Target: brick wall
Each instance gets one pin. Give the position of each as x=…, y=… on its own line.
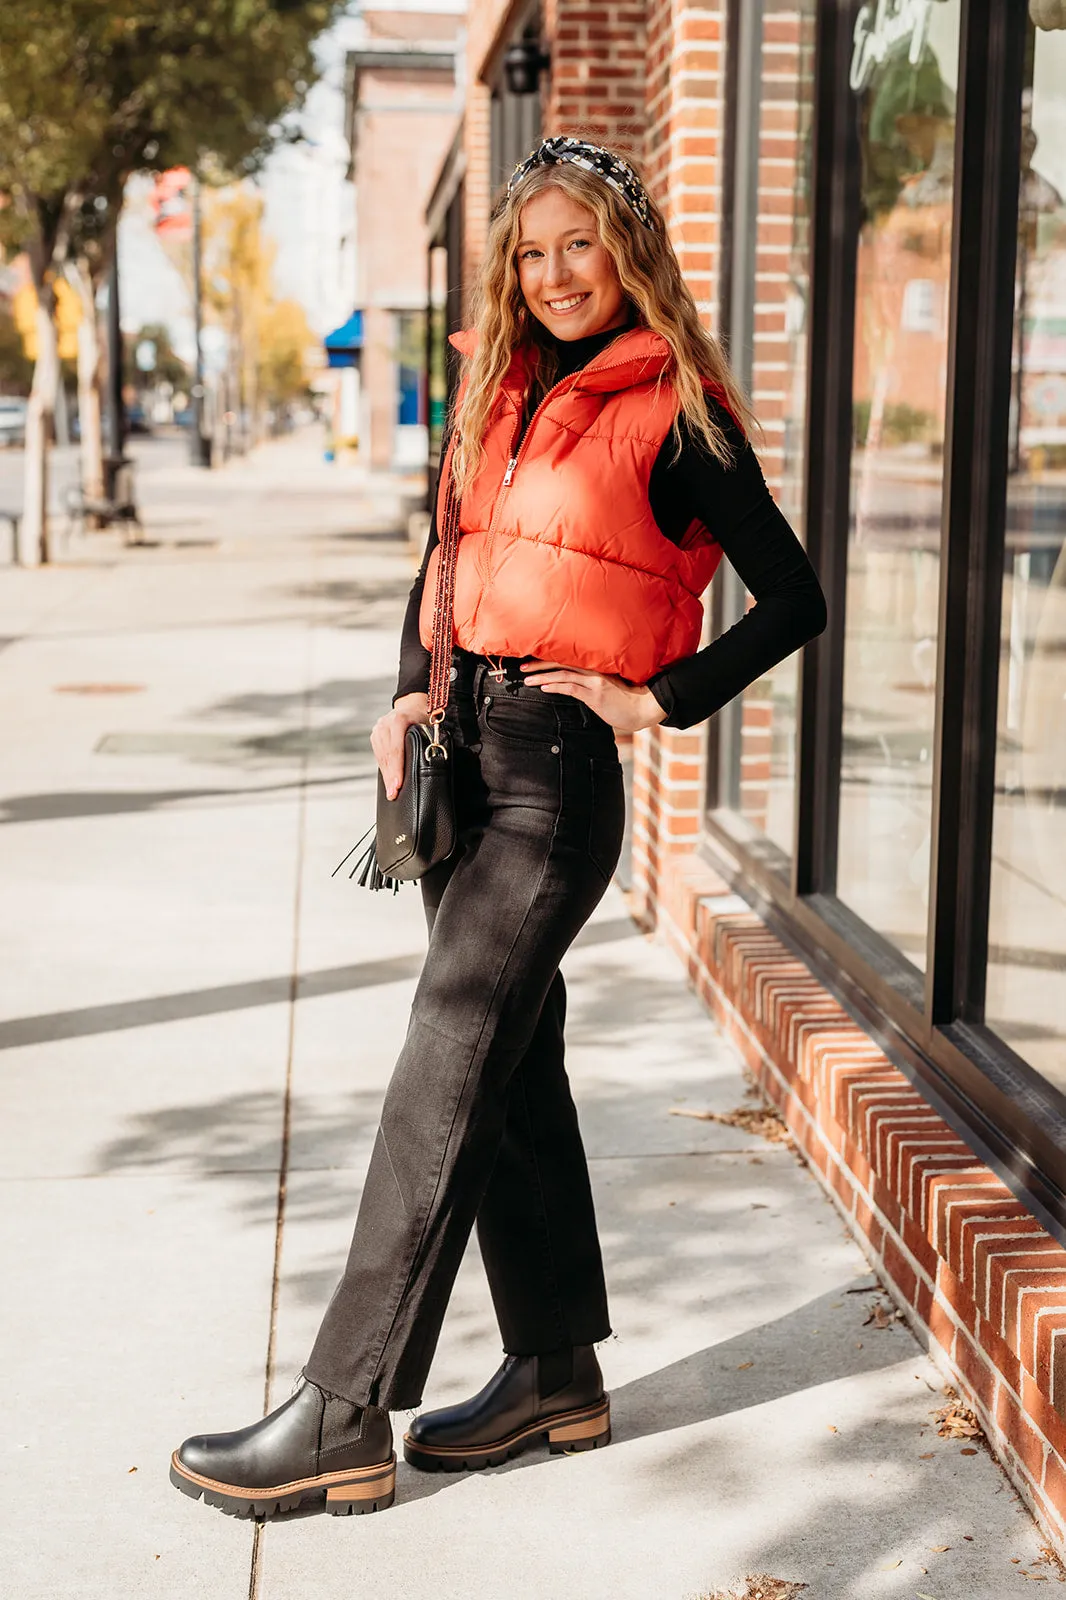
x=597, y=78
x=595, y=87
x=404, y=124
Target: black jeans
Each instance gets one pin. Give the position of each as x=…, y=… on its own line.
x=478, y=1122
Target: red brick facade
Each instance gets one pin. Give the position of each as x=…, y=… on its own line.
x=980, y=1281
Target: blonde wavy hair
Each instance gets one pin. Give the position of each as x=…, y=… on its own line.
x=650, y=278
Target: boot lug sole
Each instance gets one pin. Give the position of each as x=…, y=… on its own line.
x=353, y=1493
x=585, y=1428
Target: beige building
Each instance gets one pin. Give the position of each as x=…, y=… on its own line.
x=403, y=109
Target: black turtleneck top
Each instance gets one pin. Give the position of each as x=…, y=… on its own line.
x=736, y=506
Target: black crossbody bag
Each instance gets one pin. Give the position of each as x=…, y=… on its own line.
x=417, y=830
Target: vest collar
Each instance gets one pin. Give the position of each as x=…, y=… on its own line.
x=638, y=355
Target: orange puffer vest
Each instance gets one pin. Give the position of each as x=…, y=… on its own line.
x=560, y=556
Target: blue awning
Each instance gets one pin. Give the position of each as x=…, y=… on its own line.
x=344, y=343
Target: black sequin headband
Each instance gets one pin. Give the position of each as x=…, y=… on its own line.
x=593, y=158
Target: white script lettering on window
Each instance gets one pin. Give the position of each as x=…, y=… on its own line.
x=882, y=24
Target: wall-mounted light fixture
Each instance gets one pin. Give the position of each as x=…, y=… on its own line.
x=523, y=63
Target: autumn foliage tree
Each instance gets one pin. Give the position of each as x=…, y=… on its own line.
x=93, y=90
x=285, y=337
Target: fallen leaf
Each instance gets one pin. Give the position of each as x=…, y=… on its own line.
x=829, y=1425
x=762, y=1121
x=890, y=1566
x=744, y=1365
x=968, y=1537
x=956, y=1421
x=879, y=1316
x=967, y=1452
x=938, y=1549
x=760, y=1588
x=132, y=1469
x=927, y=1457
x=921, y=1595
x=1048, y=1557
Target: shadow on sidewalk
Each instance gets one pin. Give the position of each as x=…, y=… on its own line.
x=50, y=1025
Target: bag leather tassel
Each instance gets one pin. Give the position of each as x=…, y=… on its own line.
x=371, y=875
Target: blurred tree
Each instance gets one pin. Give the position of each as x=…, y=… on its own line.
x=16, y=368
x=67, y=317
x=285, y=337
x=169, y=367
x=906, y=107
x=238, y=261
x=92, y=90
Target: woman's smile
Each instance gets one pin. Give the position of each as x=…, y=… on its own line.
x=562, y=308
x=566, y=275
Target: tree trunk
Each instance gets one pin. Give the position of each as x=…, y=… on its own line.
x=34, y=543
x=89, y=364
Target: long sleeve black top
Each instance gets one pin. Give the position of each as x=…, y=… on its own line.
x=737, y=508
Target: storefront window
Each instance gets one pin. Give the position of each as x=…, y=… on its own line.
x=1027, y=928
x=905, y=82
x=769, y=323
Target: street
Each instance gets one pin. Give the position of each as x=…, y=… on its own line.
x=197, y=1023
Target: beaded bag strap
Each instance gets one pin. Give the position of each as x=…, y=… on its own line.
x=443, y=606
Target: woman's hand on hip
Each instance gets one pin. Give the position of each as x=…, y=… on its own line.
x=388, y=734
x=628, y=707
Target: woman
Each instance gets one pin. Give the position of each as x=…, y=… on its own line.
x=601, y=457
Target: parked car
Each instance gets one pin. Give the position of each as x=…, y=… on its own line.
x=12, y=420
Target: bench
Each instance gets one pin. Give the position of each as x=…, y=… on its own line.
x=118, y=506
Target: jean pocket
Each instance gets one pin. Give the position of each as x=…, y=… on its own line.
x=607, y=816
x=523, y=723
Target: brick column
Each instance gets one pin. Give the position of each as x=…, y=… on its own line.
x=682, y=162
x=668, y=791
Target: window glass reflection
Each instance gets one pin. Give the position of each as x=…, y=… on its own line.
x=1026, y=992
x=906, y=106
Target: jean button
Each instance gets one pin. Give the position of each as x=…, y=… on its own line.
x=555, y=749
x=487, y=700
x=453, y=674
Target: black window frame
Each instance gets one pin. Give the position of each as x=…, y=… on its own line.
x=930, y=1024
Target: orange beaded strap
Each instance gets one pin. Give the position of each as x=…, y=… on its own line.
x=441, y=651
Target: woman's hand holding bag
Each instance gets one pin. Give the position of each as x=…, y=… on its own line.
x=388, y=738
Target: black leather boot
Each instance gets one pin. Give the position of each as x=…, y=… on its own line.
x=558, y=1395
x=313, y=1442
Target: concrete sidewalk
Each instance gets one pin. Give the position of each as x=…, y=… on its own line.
x=197, y=1026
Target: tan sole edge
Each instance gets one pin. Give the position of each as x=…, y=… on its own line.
x=584, y=1424
x=358, y=1483
x=576, y=1430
